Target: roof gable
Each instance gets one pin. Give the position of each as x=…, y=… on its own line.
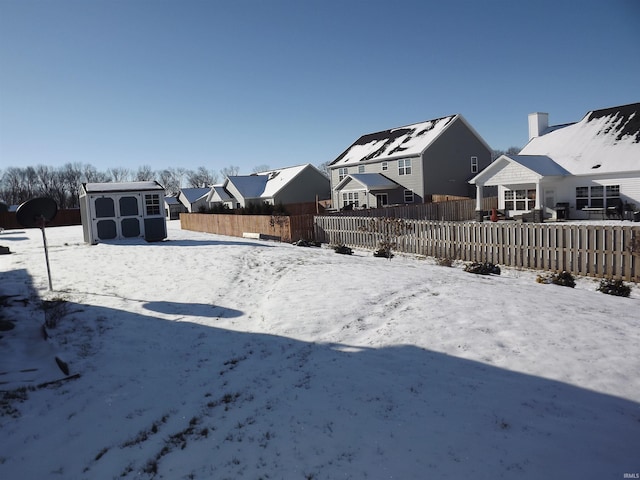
x=371, y=181
x=407, y=141
x=193, y=194
x=513, y=169
x=266, y=184
x=604, y=141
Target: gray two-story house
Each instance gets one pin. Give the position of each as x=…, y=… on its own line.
x=409, y=164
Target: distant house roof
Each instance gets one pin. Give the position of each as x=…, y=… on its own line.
x=171, y=200
x=407, y=141
x=193, y=194
x=604, y=141
x=218, y=194
x=371, y=181
x=121, y=187
x=265, y=184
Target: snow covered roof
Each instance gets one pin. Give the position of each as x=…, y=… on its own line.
x=371, y=181
x=537, y=165
x=121, y=187
x=407, y=141
x=540, y=164
x=265, y=184
x=171, y=200
x=604, y=141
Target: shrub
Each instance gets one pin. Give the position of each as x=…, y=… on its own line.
x=444, y=261
x=614, y=287
x=342, y=249
x=564, y=279
x=485, y=268
x=383, y=251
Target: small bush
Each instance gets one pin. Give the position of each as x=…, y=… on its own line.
x=486, y=268
x=342, y=249
x=444, y=262
x=614, y=287
x=564, y=279
x=384, y=251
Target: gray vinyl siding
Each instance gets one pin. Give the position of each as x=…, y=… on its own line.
x=304, y=188
x=447, y=162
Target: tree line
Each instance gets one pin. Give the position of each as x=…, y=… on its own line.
x=18, y=184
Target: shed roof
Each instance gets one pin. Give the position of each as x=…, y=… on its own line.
x=121, y=187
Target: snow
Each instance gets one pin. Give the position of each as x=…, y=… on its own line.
x=591, y=146
x=408, y=141
x=206, y=356
x=121, y=186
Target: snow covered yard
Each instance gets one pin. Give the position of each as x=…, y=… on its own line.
x=213, y=357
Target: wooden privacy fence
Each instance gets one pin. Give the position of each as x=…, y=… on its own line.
x=447, y=211
x=277, y=227
x=591, y=250
x=8, y=220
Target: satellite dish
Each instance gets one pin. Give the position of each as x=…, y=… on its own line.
x=36, y=212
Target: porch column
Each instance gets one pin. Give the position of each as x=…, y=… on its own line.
x=479, y=190
x=538, y=214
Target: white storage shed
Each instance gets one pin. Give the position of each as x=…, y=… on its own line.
x=115, y=211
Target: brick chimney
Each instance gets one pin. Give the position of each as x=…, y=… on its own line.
x=538, y=123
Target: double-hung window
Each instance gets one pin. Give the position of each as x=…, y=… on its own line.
x=385, y=166
x=474, y=164
x=342, y=172
x=408, y=196
x=360, y=168
x=404, y=166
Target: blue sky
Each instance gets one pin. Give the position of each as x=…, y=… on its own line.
x=189, y=83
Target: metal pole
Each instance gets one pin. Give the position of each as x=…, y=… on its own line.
x=46, y=253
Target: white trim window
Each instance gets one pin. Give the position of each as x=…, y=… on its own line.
x=597, y=196
x=385, y=166
x=350, y=198
x=152, y=203
x=404, y=166
x=523, y=200
x=360, y=168
x=342, y=172
x=408, y=196
x=474, y=164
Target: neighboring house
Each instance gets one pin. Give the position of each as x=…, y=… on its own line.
x=409, y=164
x=571, y=171
x=115, y=211
x=299, y=184
x=173, y=207
x=193, y=199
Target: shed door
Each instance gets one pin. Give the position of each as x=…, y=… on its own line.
x=117, y=216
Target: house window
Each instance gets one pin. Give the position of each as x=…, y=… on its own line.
x=474, y=164
x=404, y=166
x=152, y=203
x=349, y=198
x=408, y=196
x=385, y=166
x=342, y=172
x=520, y=199
x=360, y=168
x=597, y=196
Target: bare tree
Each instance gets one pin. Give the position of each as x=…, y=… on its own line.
x=229, y=171
x=145, y=174
x=261, y=168
x=171, y=179
x=324, y=168
x=71, y=175
x=119, y=174
x=201, y=177
x=91, y=175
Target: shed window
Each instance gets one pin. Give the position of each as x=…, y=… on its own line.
x=152, y=203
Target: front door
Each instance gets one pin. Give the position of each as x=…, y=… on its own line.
x=382, y=200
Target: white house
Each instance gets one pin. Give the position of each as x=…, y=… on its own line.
x=577, y=170
x=193, y=199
